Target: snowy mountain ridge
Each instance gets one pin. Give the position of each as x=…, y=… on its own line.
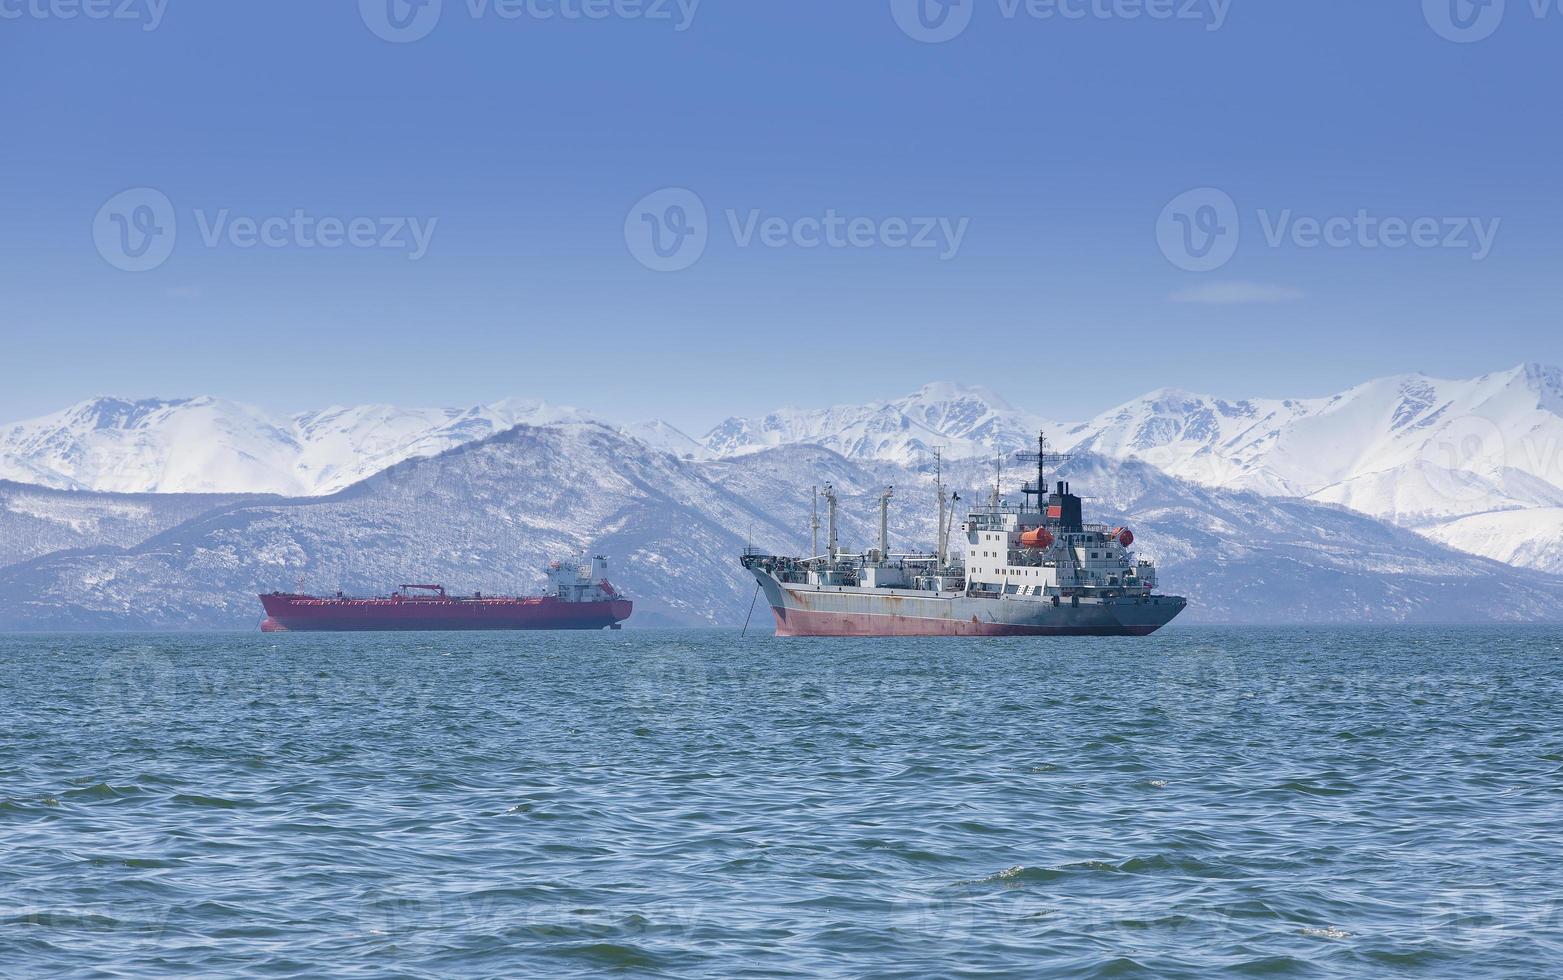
x=963, y=422
x=1476, y=464
x=212, y=445
x=490, y=514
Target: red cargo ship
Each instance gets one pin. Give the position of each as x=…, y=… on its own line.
x=583, y=599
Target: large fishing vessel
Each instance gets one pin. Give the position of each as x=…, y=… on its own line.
x=1032, y=569
x=582, y=599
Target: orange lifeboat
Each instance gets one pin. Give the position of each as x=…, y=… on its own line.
x=1040, y=538
x=1124, y=535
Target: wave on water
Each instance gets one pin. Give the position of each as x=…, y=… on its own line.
x=574, y=806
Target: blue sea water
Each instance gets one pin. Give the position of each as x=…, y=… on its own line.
x=1278, y=802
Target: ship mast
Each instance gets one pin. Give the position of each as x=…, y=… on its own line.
x=830, y=508
x=944, y=542
x=884, y=523
x=1041, y=457
x=1041, y=467
x=814, y=527
x=938, y=486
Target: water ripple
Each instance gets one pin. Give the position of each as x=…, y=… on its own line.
x=1324, y=802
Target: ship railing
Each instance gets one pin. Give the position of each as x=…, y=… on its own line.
x=989, y=512
x=993, y=518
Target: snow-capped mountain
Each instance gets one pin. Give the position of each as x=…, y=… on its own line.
x=489, y=515
x=1211, y=441
x=210, y=445
x=658, y=434
x=187, y=446
x=1443, y=457
x=1526, y=538
x=962, y=421
x=1460, y=461
x=1457, y=460
x=1411, y=449
x=340, y=446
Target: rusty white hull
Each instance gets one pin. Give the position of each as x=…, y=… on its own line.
x=810, y=610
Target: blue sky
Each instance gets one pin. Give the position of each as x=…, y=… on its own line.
x=523, y=147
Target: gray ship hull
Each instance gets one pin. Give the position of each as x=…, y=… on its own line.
x=809, y=610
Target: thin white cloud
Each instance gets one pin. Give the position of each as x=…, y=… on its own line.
x=1236, y=293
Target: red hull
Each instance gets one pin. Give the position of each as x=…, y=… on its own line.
x=295, y=613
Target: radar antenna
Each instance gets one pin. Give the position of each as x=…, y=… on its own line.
x=1042, y=458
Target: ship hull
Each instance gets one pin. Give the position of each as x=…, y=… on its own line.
x=302, y=614
x=814, y=611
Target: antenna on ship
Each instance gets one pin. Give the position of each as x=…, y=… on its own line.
x=1041, y=457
